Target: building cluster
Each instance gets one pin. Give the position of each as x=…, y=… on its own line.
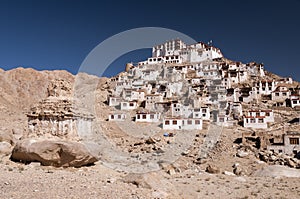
x=181, y=86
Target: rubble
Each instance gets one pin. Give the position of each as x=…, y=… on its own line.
x=274, y=158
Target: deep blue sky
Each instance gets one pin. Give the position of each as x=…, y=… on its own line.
x=59, y=34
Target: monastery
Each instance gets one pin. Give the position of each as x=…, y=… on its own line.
x=180, y=86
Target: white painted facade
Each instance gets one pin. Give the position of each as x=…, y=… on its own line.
x=182, y=124
x=280, y=93
x=268, y=114
x=176, y=52
x=117, y=117
x=266, y=87
x=203, y=112
x=147, y=117
x=151, y=99
x=133, y=94
x=295, y=101
x=129, y=105
x=114, y=101
x=255, y=122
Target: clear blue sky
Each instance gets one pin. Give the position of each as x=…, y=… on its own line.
x=59, y=34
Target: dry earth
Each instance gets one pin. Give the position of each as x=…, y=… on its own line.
x=185, y=178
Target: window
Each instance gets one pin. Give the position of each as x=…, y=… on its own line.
x=131, y=104
x=125, y=104
x=144, y=116
x=138, y=117
x=252, y=120
x=112, y=117
x=197, y=122
x=294, y=141
x=276, y=94
x=167, y=122
x=283, y=94
x=151, y=116
x=174, y=122
x=203, y=110
x=260, y=120
x=221, y=119
x=119, y=116
x=267, y=114
x=189, y=122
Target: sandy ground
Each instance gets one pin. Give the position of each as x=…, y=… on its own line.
x=34, y=181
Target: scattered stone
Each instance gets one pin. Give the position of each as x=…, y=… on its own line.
x=291, y=163
x=212, y=169
x=171, y=171
x=238, y=171
x=150, y=141
x=136, y=179
x=5, y=148
x=242, y=154
x=228, y=173
x=273, y=158
x=185, y=152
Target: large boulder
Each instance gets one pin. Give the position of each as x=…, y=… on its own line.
x=53, y=153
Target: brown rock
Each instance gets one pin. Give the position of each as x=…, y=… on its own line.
x=53, y=153
x=136, y=179
x=212, y=169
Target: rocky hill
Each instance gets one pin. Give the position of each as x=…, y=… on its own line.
x=61, y=120
x=20, y=89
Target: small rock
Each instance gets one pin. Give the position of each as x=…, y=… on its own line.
x=273, y=158
x=242, y=154
x=238, y=171
x=212, y=169
x=236, y=165
x=171, y=171
x=150, y=141
x=185, y=152
x=291, y=163
x=228, y=173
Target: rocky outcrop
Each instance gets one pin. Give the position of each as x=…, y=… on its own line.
x=52, y=153
x=279, y=159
